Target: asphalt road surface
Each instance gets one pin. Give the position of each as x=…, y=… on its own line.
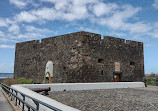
x=4, y=105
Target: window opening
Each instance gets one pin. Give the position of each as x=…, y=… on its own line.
x=132, y=63
x=100, y=60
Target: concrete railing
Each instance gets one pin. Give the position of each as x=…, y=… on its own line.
x=41, y=98
x=86, y=86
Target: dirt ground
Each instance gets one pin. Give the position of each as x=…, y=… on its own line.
x=152, y=88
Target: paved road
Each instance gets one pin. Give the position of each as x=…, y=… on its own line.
x=4, y=105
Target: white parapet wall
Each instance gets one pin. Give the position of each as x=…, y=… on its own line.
x=25, y=89
x=86, y=86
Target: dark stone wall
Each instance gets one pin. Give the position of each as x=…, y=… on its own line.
x=80, y=57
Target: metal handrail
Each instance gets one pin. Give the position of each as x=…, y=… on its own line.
x=10, y=91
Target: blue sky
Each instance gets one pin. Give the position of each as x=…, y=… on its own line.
x=23, y=20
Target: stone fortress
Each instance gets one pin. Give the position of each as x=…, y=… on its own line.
x=80, y=57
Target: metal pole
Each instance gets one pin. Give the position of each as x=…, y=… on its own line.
x=16, y=98
x=11, y=95
x=23, y=103
x=37, y=105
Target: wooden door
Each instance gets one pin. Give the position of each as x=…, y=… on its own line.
x=117, y=78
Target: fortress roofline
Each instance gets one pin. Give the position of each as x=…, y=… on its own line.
x=83, y=33
x=77, y=33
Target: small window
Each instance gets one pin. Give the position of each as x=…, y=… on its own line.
x=64, y=67
x=100, y=60
x=102, y=73
x=83, y=42
x=132, y=63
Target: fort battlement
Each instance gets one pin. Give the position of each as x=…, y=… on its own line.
x=27, y=45
x=82, y=36
x=80, y=57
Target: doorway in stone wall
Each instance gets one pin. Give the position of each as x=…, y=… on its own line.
x=117, y=76
x=48, y=72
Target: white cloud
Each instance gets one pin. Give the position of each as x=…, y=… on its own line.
x=6, y=46
x=85, y=2
x=6, y=37
x=32, y=32
x=9, y=21
x=46, y=14
x=71, y=10
x=1, y=34
x=110, y=15
x=156, y=25
x=8, y=40
x=38, y=30
x=113, y=16
x=51, y=1
x=75, y=13
x=119, y=20
x=29, y=33
x=28, y=36
x=25, y=17
x=23, y=3
x=155, y=4
x=59, y=4
x=63, y=10
x=75, y=2
x=3, y=23
x=137, y=27
x=104, y=9
x=39, y=15
x=14, y=29
x=18, y=3
x=153, y=33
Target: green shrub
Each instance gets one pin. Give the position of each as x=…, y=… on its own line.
x=153, y=81
x=25, y=81
x=148, y=81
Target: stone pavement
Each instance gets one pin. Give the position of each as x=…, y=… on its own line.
x=4, y=105
x=109, y=99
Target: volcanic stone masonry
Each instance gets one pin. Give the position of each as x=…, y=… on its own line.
x=80, y=57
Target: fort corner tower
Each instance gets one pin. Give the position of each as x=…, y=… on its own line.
x=80, y=57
